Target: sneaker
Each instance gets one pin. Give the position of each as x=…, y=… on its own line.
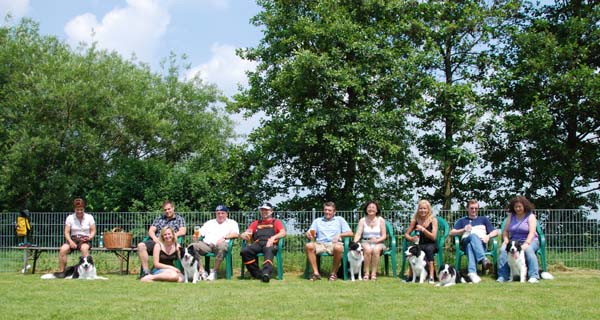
x=265, y=278
x=431, y=281
x=474, y=277
x=533, y=280
x=212, y=276
x=546, y=276
x=500, y=279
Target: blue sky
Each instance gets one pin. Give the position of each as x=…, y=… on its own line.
x=207, y=31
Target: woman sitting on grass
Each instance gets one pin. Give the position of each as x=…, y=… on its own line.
x=165, y=254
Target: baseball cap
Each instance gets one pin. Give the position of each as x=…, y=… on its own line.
x=222, y=208
x=267, y=206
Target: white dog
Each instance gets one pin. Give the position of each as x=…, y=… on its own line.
x=85, y=269
x=449, y=276
x=190, y=264
x=416, y=259
x=355, y=258
x=516, y=261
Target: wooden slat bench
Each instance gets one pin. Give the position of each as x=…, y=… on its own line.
x=35, y=253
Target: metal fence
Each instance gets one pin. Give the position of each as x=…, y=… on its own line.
x=572, y=235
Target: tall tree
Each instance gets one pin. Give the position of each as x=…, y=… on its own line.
x=335, y=80
x=91, y=124
x=545, y=144
x=456, y=35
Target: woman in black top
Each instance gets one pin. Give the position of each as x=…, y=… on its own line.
x=164, y=255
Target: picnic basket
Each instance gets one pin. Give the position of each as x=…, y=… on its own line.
x=117, y=239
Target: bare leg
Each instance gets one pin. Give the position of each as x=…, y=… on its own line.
x=85, y=250
x=217, y=264
x=375, y=260
x=198, y=257
x=368, y=252
x=431, y=271
x=65, y=249
x=143, y=254
x=220, y=248
x=338, y=250
x=311, y=255
x=167, y=275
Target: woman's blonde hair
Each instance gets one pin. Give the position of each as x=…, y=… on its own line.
x=429, y=211
x=162, y=234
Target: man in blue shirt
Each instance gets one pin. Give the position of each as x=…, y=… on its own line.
x=325, y=235
x=476, y=232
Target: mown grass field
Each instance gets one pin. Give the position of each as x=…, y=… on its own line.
x=572, y=295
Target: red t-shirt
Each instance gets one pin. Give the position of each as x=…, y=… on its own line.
x=277, y=225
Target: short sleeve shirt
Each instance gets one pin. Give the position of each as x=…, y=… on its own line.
x=481, y=225
x=277, y=225
x=80, y=227
x=212, y=230
x=176, y=222
x=327, y=229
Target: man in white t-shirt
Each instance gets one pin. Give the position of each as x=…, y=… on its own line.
x=216, y=235
x=80, y=229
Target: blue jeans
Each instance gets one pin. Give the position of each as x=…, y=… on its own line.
x=475, y=250
x=533, y=269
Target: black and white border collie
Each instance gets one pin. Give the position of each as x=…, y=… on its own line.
x=190, y=263
x=355, y=259
x=416, y=260
x=85, y=269
x=516, y=261
x=449, y=276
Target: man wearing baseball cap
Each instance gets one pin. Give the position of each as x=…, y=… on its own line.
x=217, y=233
x=263, y=235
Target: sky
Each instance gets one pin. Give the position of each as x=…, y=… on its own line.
x=206, y=31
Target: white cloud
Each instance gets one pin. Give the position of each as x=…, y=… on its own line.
x=225, y=69
x=217, y=4
x=16, y=8
x=136, y=28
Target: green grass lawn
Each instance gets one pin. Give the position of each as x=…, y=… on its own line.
x=572, y=295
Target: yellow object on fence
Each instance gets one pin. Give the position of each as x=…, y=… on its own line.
x=117, y=238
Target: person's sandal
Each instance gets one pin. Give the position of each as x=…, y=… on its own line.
x=315, y=277
x=374, y=276
x=366, y=277
x=332, y=277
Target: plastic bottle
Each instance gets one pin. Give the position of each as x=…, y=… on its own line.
x=101, y=241
x=418, y=235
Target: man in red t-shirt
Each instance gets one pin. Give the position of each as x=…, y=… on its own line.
x=263, y=236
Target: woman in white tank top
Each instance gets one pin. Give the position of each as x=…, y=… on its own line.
x=372, y=234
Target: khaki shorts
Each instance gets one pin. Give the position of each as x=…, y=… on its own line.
x=321, y=247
